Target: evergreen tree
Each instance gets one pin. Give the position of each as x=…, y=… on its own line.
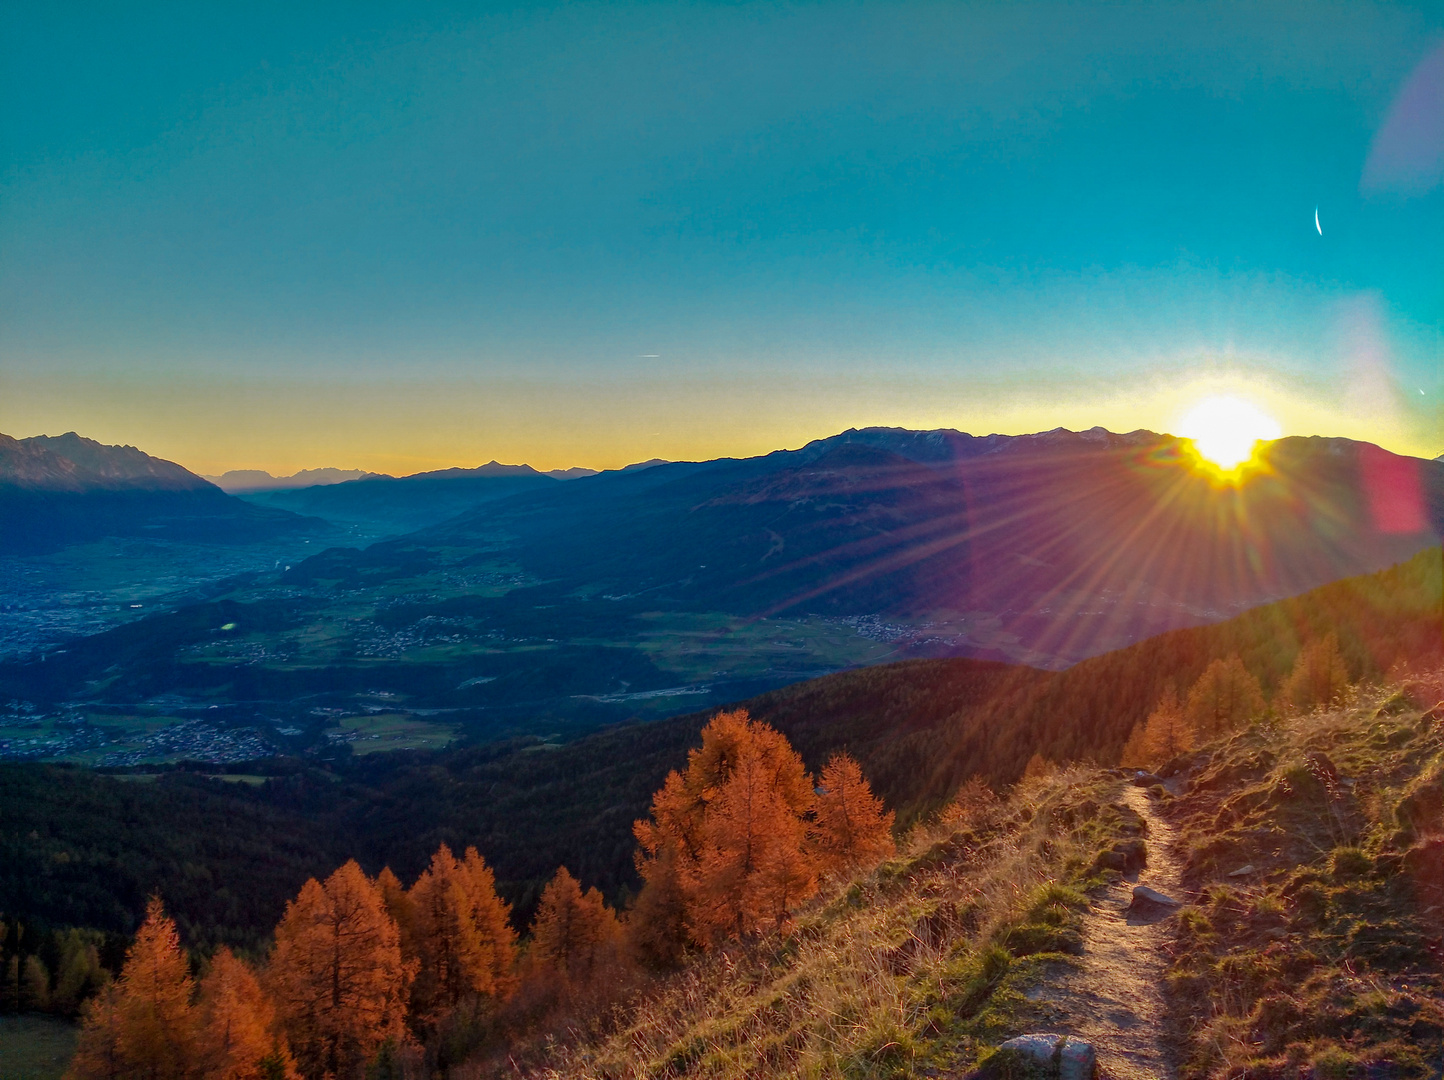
x=337, y=975
x=79, y=974
x=37, y=983
x=852, y=828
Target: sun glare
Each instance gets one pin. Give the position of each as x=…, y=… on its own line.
x=1226, y=431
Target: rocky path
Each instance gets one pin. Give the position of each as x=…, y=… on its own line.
x=1114, y=999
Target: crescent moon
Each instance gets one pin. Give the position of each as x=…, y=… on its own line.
x=1316, y=221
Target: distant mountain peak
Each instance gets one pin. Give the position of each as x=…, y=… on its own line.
x=576, y=472
x=491, y=468
x=71, y=462
x=57, y=490
x=237, y=480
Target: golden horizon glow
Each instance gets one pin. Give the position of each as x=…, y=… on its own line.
x=402, y=427
x=1226, y=431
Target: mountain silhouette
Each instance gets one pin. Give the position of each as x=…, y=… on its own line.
x=66, y=489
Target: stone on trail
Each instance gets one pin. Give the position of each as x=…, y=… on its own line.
x=1064, y=1056
x=1126, y=856
x=1076, y=1060
x=1242, y=871
x=1144, y=896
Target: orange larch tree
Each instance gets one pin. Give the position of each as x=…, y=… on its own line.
x=730, y=834
x=452, y=962
x=1226, y=696
x=97, y=1053
x=1319, y=676
x=754, y=865
x=144, y=1026
x=851, y=827
x=574, y=933
x=657, y=928
x=1163, y=735
x=972, y=802
x=492, y=917
x=237, y=1034
x=399, y=907
x=337, y=975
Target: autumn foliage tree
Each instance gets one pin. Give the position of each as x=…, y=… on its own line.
x=1165, y=734
x=463, y=944
x=142, y=1025
x=362, y=968
x=1319, y=675
x=657, y=929
x=851, y=827
x=1039, y=768
x=972, y=802
x=1225, y=697
x=238, y=1035
x=732, y=844
x=574, y=933
x=337, y=974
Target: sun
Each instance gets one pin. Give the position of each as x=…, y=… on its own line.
x=1226, y=431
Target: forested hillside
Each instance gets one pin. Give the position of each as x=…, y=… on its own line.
x=919, y=729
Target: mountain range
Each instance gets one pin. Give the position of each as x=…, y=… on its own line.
x=554, y=608
x=65, y=489
x=389, y=505
x=1063, y=544
x=237, y=481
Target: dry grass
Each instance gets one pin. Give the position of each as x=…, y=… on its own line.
x=919, y=964
x=1326, y=958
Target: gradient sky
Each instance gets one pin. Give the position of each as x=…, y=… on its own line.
x=304, y=234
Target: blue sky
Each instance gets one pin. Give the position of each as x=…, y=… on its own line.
x=302, y=235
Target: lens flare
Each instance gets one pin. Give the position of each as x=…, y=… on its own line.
x=1226, y=431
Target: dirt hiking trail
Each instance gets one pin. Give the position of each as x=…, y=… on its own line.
x=1114, y=997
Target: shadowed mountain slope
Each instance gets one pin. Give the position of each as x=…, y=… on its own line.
x=65, y=489
x=393, y=505
x=1067, y=544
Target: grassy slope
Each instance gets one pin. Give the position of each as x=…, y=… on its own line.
x=919, y=965
x=1328, y=956
x=1329, y=953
